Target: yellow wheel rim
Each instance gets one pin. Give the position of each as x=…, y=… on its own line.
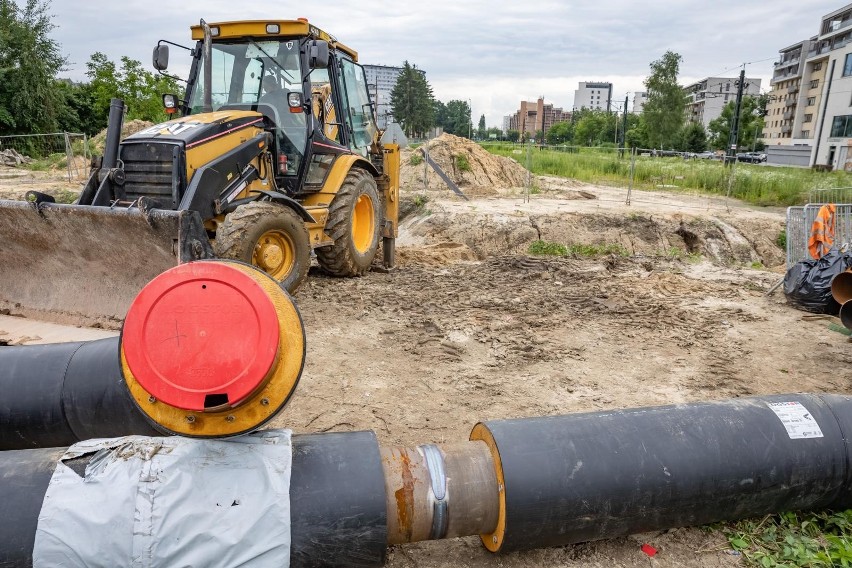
x=275, y=254
x=363, y=223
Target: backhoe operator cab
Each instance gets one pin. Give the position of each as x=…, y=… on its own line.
x=321, y=159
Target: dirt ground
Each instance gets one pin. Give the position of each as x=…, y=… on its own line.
x=469, y=327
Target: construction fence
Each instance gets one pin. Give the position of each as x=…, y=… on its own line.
x=800, y=221
x=56, y=151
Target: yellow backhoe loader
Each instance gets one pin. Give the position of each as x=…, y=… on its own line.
x=275, y=156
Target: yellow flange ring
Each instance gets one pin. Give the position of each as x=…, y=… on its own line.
x=258, y=407
x=494, y=540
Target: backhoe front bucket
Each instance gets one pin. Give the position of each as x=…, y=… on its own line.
x=84, y=265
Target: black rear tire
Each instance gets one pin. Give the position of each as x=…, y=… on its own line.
x=270, y=236
x=354, y=222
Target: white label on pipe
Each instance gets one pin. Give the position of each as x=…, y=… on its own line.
x=796, y=419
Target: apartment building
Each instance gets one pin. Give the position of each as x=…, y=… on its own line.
x=639, y=100
x=534, y=116
x=596, y=96
x=381, y=80
x=831, y=90
x=706, y=98
x=784, y=96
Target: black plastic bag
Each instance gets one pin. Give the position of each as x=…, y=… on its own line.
x=807, y=284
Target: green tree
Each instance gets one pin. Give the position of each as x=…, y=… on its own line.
x=457, y=119
x=493, y=133
x=637, y=133
x=481, y=131
x=77, y=111
x=750, y=127
x=412, y=102
x=560, y=133
x=664, y=109
x=29, y=61
x=691, y=138
x=140, y=90
x=513, y=135
x=595, y=127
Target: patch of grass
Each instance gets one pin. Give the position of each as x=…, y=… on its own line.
x=597, y=250
x=781, y=239
x=420, y=200
x=65, y=196
x=694, y=257
x=51, y=162
x=757, y=265
x=756, y=184
x=814, y=540
x=415, y=159
x=545, y=248
x=535, y=190
x=462, y=163
x=675, y=253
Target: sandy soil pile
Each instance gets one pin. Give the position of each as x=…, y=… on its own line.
x=130, y=127
x=484, y=174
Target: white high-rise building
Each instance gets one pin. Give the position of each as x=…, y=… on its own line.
x=706, y=98
x=381, y=80
x=639, y=100
x=593, y=96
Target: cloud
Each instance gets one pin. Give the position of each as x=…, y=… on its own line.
x=494, y=53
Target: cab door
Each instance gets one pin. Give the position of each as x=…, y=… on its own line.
x=358, y=110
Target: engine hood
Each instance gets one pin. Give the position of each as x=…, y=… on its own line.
x=197, y=128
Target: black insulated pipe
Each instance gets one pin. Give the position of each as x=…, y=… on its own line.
x=583, y=477
x=62, y=393
x=337, y=501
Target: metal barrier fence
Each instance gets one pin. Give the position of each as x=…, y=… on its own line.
x=800, y=220
x=54, y=151
x=830, y=195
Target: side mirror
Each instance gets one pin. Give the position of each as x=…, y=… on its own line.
x=161, y=57
x=318, y=55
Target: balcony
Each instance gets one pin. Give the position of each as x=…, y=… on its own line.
x=788, y=115
x=786, y=63
x=786, y=129
x=793, y=89
x=790, y=102
x=834, y=26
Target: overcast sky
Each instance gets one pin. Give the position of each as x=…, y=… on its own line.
x=493, y=53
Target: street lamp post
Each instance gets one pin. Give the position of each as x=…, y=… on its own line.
x=470, y=120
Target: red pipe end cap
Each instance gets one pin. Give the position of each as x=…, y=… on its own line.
x=201, y=336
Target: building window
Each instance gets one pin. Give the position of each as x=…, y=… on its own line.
x=726, y=97
x=808, y=118
x=811, y=101
x=727, y=86
x=814, y=83
x=841, y=126
x=817, y=66
x=806, y=133
x=847, y=65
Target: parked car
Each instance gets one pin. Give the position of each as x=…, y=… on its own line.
x=751, y=157
x=708, y=155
